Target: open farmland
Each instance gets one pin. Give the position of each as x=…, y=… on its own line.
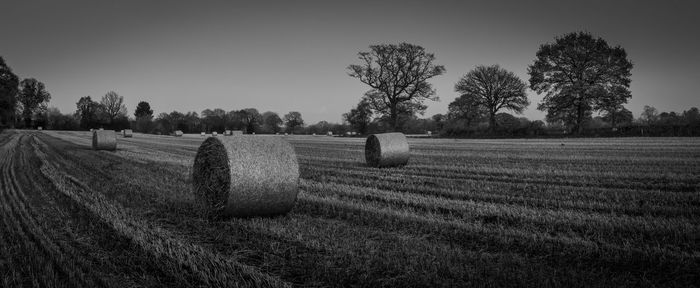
x=591, y=212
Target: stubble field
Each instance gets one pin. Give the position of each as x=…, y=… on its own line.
x=590, y=212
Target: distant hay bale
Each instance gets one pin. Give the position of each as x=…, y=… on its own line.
x=214, y=133
x=386, y=150
x=245, y=176
x=238, y=132
x=128, y=133
x=227, y=133
x=102, y=128
x=330, y=133
x=39, y=128
x=202, y=133
x=91, y=130
x=104, y=140
x=178, y=133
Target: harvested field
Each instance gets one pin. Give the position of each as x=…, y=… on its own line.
x=594, y=212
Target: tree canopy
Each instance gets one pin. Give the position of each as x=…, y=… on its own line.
x=143, y=109
x=359, y=117
x=113, y=106
x=575, y=73
x=493, y=88
x=293, y=120
x=9, y=83
x=398, y=77
x=32, y=96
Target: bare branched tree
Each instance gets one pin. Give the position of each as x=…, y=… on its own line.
x=398, y=76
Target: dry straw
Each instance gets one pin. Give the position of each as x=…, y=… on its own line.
x=178, y=133
x=245, y=176
x=386, y=150
x=104, y=140
x=128, y=133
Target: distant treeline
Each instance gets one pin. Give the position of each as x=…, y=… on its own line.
x=579, y=75
x=94, y=115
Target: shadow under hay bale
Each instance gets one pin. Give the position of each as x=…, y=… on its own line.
x=386, y=150
x=128, y=133
x=245, y=176
x=104, y=140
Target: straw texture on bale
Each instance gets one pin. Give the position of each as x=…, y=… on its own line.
x=386, y=150
x=178, y=133
x=245, y=176
x=128, y=133
x=104, y=140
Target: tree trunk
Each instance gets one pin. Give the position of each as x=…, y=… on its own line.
x=579, y=119
x=394, y=119
x=492, y=123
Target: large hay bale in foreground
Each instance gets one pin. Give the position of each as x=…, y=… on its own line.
x=386, y=149
x=104, y=140
x=178, y=133
x=128, y=133
x=245, y=176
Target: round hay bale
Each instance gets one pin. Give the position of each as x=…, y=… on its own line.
x=386, y=150
x=214, y=133
x=202, y=133
x=39, y=128
x=102, y=128
x=245, y=176
x=104, y=140
x=128, y=133
x=178, y=133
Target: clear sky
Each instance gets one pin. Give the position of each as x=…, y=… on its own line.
x=292, y=55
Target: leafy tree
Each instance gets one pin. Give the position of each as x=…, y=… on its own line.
x=143, y=109
x=113, y=106
x=692, y=116
x=466, y=108
x=9, y=83
x=359, y=117
x=214, y=120
x=649, y=115
x=293, y=120
x=32, y=96
x=250, y=118
x=87, y=112
x=618, y=116
x=58, y=121
x=575, y=72
x=398, y=76
x=439, y=120
x=271, y=122
x=494, y=88
x=144, y=117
